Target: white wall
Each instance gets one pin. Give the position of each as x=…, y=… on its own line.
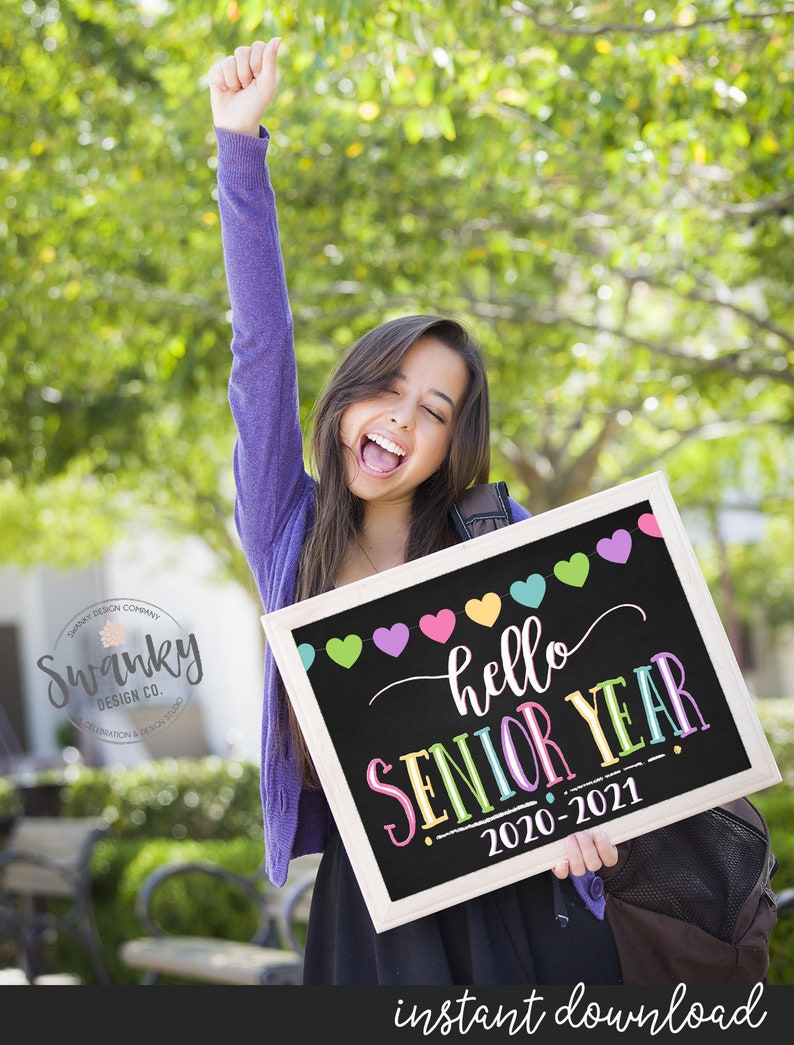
x=179, y=576
x=38, y=602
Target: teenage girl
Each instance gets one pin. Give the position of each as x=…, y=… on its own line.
x=400, y=432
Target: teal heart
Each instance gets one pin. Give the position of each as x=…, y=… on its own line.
x=529, y=592
x=306, y=652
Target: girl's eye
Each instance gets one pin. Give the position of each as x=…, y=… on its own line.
x=438, y=417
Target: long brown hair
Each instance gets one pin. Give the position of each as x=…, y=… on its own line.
x=367, y=370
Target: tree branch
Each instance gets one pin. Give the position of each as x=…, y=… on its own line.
x=644, y=29
x=703, y=299
x=522, y=310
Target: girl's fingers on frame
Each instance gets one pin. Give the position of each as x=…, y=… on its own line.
x=576, y=860
x=590, y=854
x=606, y=850
x=587, y=851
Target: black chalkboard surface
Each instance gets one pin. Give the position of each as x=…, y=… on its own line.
x=466, y=712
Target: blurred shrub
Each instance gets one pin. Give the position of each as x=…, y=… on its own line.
x=179, y=798
x=9, y=799
x=200, y=906
x=777, y=806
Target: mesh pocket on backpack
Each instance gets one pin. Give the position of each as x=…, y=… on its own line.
x=700, y=870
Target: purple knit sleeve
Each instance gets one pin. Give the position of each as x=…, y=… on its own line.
x=590, y=888
x=263, y=387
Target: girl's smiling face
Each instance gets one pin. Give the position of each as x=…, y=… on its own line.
x=400, y=438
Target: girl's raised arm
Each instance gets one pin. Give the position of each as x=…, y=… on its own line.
x=272, y=488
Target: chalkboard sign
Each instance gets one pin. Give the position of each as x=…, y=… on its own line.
x=467, y=711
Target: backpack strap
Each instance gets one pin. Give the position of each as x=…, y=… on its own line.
x=482, y=509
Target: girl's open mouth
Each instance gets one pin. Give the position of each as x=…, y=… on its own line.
x=380, y=455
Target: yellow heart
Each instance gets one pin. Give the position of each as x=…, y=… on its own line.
x=485, y=610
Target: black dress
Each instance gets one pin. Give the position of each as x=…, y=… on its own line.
x=505, y=937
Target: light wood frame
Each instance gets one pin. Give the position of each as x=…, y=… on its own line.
x=652, y=498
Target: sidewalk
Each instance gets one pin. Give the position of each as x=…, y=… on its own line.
x=16, y=978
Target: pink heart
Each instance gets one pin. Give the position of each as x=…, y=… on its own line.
x=438, y=627
x=616, y=548
x=391, y=640
x=648, y=524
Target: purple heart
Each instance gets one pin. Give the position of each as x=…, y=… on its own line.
x=391, y=640
x=616, y=548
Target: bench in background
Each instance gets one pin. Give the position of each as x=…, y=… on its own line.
x=48, y=858
x=274, y=953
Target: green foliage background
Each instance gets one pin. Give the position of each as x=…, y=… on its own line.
x=603, y=190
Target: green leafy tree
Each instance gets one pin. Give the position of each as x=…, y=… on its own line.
x=604, y=190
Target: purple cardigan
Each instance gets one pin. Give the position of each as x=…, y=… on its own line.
x=274, y=504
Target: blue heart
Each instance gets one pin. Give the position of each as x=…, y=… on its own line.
x=529, y=592
x=306, y=654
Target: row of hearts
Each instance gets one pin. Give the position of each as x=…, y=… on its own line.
x=484, y=611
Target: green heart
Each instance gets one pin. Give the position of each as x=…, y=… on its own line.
x=574, y=570
x=344, y=651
